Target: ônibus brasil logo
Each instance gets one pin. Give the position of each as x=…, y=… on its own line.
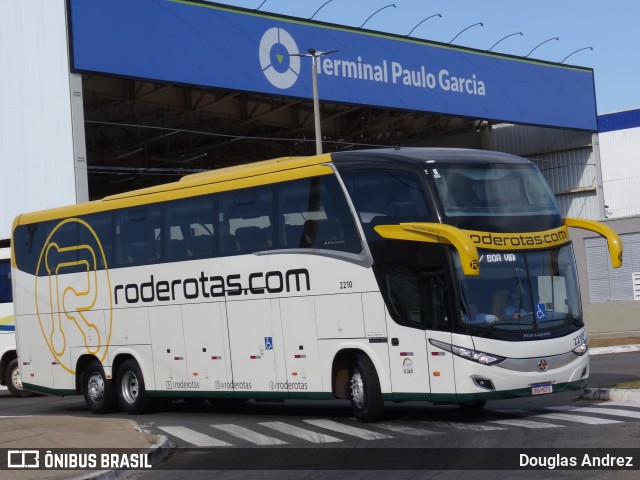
x=280, y=68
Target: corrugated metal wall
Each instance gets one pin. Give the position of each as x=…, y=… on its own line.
x=565, y=157
x=620, y=153
x=605, y=283
x=36, y=126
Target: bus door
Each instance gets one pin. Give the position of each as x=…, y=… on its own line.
x=417, y=301
x=438, y=322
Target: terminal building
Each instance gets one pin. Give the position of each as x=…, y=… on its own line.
x=103, y=97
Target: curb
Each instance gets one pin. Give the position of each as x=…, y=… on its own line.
x=612, y=394
x=614, y=349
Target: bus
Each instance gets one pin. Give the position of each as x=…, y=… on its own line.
x=352, y=275
x=9, y=371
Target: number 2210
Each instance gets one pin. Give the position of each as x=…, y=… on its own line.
x=346, y=284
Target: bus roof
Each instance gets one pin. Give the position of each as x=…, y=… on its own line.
x=417, y=155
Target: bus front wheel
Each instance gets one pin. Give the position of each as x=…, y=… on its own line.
x=14, y=383
x=98, y=391
x=132, y=395
x=364, y=390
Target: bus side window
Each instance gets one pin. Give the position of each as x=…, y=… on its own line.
x=190, y=227
x=246, y=218
x=137, y=235
x=101, y=225
x=438, y=311
x=5, y=281
x=315, y=214
x=386, y=197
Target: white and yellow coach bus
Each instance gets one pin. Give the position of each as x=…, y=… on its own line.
x=396, y=274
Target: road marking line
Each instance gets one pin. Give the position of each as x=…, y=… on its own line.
x=406, y=429
x=578, y=418
x=525, y=423
x=474, y=427
x=308, y=435
x=248, y=435
x=347, y=429
x=195, y=438
x=604, y=411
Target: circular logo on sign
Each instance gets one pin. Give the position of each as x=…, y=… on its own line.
x=280, y=68
x=73, y=292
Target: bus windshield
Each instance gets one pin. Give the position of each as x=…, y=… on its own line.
x=530, y=293
x=469, y=190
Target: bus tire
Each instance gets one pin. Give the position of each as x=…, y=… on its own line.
x=14, y=383
x=132, y=395
x=364, y=390
x=98, y=391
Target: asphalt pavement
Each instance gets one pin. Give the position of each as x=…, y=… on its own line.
x=123, y=438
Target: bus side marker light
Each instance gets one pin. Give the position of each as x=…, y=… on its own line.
x=436, y=354
x=299, y=356
x=436, y=374
x=178, y=358
x=216, y=357
x=406, y=354
x=195, y=374
x=255, y=357
x=294, y=374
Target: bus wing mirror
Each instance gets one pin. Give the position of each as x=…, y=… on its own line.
x=613, y=240
x=434, y=233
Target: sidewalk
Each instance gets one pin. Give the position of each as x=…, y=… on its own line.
x=52, y=433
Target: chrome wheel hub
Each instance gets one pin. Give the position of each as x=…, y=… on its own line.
x=95, y=387
x=357, y=389
x=130, y=387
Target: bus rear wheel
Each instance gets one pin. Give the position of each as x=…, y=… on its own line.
x=98, y=391
x=364, y=390
x=132, y=395
x=14, y=382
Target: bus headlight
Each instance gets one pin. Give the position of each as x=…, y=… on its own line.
x=582, y=348
x=468, y=353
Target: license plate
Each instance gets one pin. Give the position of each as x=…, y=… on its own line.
x=541, y=389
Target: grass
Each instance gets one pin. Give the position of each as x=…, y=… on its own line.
x=632, y=384
x=610, y=342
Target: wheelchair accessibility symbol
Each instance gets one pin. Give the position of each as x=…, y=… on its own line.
x=268, y=343
x=541, y=311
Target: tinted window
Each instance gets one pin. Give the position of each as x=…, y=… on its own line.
x=386, y=197
x=246, y=219
x=190, y=228
x=5, y=281
x=314, y=214
x=138, y=238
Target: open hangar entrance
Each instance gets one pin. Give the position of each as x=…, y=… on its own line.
x=140, y=133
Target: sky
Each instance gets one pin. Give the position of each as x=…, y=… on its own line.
x=609, y=27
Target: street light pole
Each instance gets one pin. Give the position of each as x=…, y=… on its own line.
x=316, y=100
x=314, y=54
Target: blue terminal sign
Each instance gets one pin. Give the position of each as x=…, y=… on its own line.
x=210, y=45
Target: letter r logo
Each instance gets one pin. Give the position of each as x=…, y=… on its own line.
x=73, y=292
